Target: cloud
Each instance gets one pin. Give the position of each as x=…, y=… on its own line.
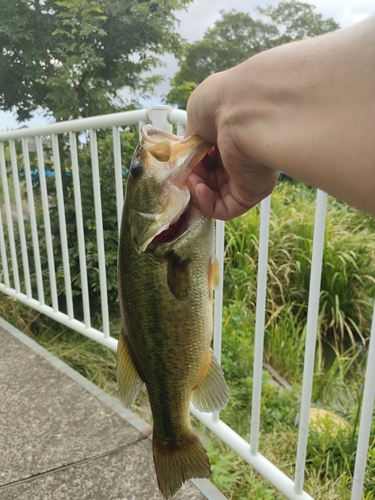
x=346, y=12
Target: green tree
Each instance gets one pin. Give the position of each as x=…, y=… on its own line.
x=238, y=36
x=71, y=57
x=296, y=21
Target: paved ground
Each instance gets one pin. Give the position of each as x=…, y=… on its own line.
x=62, y=438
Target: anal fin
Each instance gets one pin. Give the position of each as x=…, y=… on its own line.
x=128, y=380
x=211, y=394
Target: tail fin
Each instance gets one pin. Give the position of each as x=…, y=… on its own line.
x=175, y=465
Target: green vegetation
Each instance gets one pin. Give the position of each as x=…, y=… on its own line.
x=72, y=57
x=346, y=302
x=346, y=305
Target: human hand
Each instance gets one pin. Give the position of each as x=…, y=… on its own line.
x=226, y=183
x=216, y=193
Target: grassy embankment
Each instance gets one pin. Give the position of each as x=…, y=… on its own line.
x=348, y=286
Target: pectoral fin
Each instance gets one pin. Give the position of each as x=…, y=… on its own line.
x=216, y=274
x=178, y=276
x=128, y=380
x=211, y=394
x=213, y=275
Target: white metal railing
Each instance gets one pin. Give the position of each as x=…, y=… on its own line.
x=10, y=281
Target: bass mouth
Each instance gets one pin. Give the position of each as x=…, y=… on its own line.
x=175, y=230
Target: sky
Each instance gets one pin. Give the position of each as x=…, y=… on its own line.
x=202, y=14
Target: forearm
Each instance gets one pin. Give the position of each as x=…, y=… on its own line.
x=308, y=109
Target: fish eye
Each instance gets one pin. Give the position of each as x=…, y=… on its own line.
x=136, y=169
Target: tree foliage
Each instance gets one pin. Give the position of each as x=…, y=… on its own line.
x=297, y=21
x=71, y=57
x=238, y=36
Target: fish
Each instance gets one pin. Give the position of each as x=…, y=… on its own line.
x=167, y=271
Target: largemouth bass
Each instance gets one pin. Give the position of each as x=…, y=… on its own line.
x=167, y=270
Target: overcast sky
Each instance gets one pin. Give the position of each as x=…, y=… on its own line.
x=202, y=14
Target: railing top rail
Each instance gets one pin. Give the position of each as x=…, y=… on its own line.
x=175, y=116
x=93, y=122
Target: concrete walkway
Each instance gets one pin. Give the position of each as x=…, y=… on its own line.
x=63, y=438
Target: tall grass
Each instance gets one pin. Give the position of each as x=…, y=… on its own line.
x=348, y=280
x=346, y=303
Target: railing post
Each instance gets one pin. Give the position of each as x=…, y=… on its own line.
x=218, y=303
x=158, y=116
x=311, y=335
x=265, y=211
x=366, y=419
